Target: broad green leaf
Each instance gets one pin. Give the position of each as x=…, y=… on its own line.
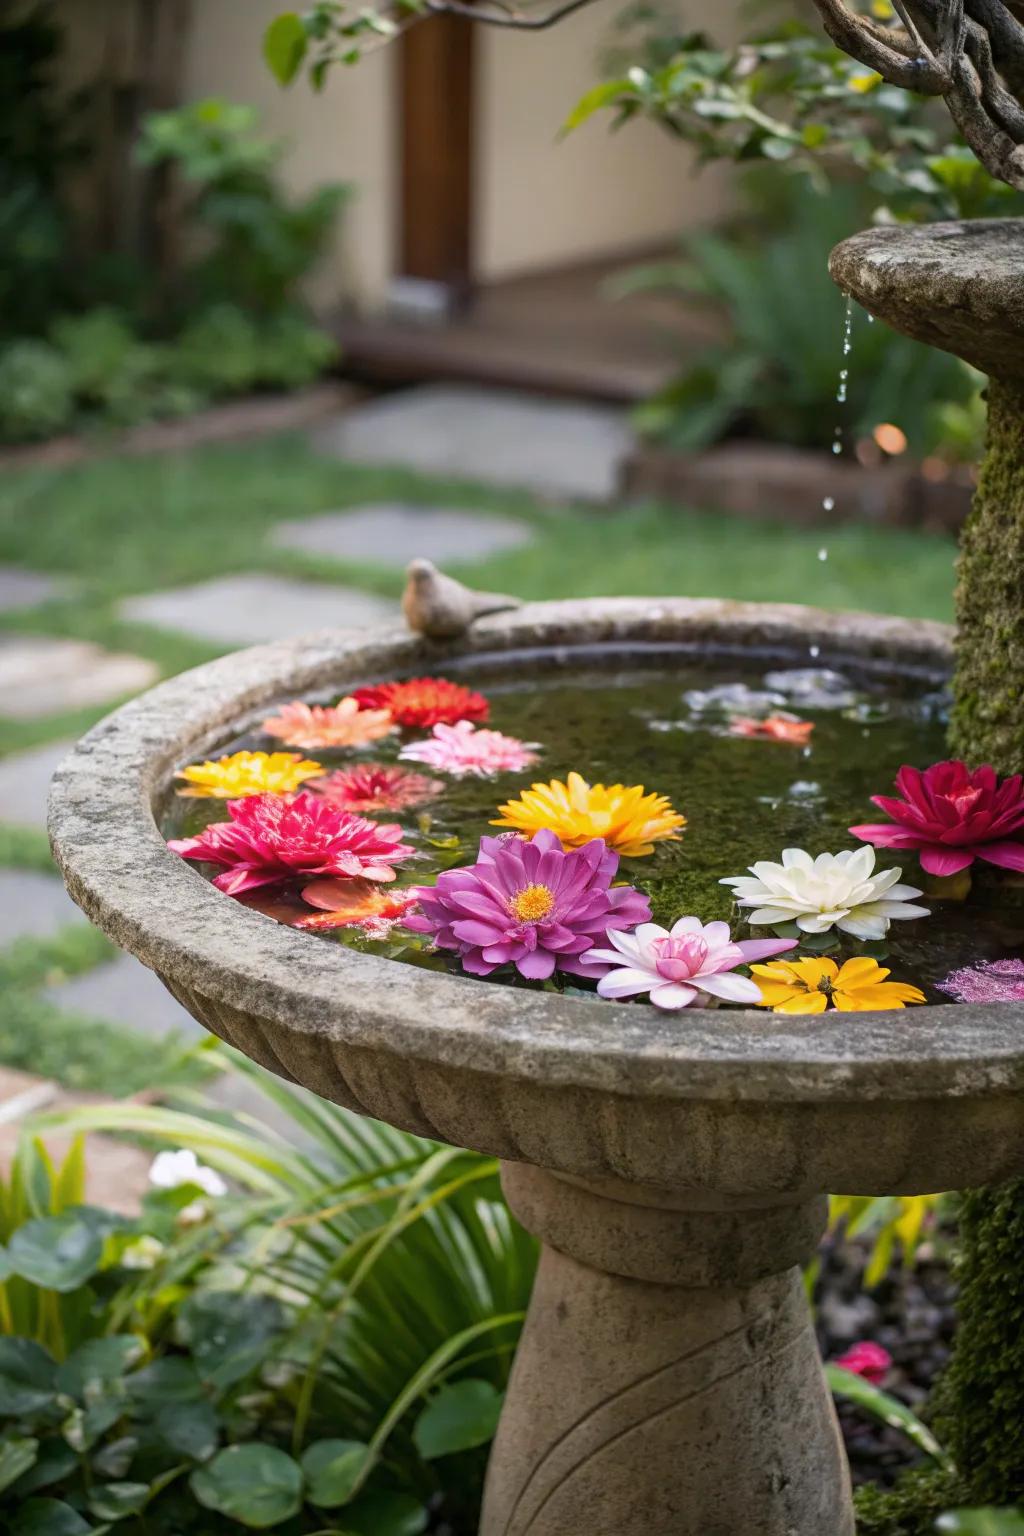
x=16, y=1457
x=229, y=1334
x=98, y=1361
x=116, y=1501
x=169, y=1380
x=257, y=1485
x=188, y=1429
x=27, y=1377
x=385, y=1514
x=983, y=1522
x=284, y=46
x=48, y=1517
x=462, y=1415
x=332, y=1469
x=53, y=1462
x=886, y=1409
x=58, y=1253
x=604, y=95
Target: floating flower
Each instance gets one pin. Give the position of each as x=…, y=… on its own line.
x=170, y=1170
x=692, y=962
x=531, y=904
x=421, y=702
x=628, y=820
x=775, y=728
x=248, y=773
x=355, y=904
x=270, y=839
x=868, y=1360
x=952, y=816
x=315, y=727
x=807, y=986
x=993, y=981
x=465, y=749
x=834, y=890
x=377, y=787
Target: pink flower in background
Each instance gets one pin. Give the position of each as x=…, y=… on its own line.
x=273, y=838
x=994, y=981
x=692, y=963
x=465, y=749
x=952, y=816
x=868, y=1360
x=529, y=904
x=376, y=787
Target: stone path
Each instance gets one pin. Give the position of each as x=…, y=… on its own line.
x=41, y=675
x=27, y=589
x=125, y=992
x=33, y=906
x=393, y=533
x=245, y=610
x=560, y=448
x=25, y=782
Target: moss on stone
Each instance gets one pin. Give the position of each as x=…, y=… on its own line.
x=988, y=717
x=909, y=1509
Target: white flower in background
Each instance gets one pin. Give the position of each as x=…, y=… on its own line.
x=143, y=1253
x=838, y=890
x=169, y=1170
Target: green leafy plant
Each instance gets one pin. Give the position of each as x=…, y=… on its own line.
x=225, y=351
x=895, y=1222
x=36, y=391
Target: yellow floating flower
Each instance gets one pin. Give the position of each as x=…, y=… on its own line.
x=248, y=773
x=808, y=986
x=629, y=820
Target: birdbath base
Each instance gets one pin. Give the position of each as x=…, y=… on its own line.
x=668, y=1349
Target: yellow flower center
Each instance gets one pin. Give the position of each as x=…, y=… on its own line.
x=532, y=903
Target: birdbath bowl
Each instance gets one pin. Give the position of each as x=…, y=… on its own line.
x=674, y=1166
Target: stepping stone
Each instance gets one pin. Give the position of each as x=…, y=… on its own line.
x=246, y=610
x=33, y=906
x=393, y=533
x=125, y=992
x=40, y=675
x=557, y=447
x=26, y=589
x=25, y=782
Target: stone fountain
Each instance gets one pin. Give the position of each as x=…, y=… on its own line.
x=674, y=1167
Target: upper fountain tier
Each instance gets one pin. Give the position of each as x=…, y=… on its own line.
x=958, y=286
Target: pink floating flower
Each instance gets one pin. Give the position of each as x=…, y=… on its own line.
x=376, y=787
x=952, y=816
x=693, y=962
x=345, y=724
x=273, y=838
x=355, y=904
x=464, y=749
x=995, y=981
x=531, y=904
x=868, y=1360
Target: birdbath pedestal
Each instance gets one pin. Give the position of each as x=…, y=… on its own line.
x=674, y=1166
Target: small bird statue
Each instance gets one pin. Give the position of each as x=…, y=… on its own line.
x=441, y=607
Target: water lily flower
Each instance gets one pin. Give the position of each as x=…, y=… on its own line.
x=781, y=727
x=693, y=962
x=247, y=773
x=529, y=904
x=628, y=820
x=837, y=890
x=465, y=749
x=992, y=981
x=315, y=727
x=355, y=904
x=420, y=702
x=372, y=787
x=808, y=986
x=952, y=816
x=271, y=838
x=866, y=1359
x=170, y=1170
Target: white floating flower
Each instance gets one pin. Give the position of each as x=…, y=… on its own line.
x=838, y=890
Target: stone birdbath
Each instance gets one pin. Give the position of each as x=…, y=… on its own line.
x=674, y=1167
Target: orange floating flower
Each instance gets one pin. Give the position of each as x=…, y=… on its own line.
x=248, y=773
x=421, y=702
x=774, y=728
x=354, y=904
x=809, y=986
x=628, y=820
x=315, y=727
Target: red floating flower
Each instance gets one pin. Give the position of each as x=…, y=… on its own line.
x=774, y=728
x=952, y=816
x=377, y=787
x=274, y=838
x=421, y=702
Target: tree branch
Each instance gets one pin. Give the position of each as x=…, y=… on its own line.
x=504, y=16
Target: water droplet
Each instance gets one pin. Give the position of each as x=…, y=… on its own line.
x=829, y=503
x=815, y=650
x=822, y=554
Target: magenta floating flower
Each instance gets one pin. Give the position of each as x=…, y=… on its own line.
x=993, y=981
x=531, y=905
x=376, y=787
x=866, y=1359
x=952, y=816
x=694, y=962
x=273, y=838
x=465, y=750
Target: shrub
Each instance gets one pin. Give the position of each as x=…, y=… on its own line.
x=112, y=371
x=225, y=351
x=36, y=391
x=909, y=1509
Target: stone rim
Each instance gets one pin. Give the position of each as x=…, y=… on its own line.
x=153, y=904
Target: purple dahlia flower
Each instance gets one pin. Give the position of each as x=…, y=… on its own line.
x=531, y=904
